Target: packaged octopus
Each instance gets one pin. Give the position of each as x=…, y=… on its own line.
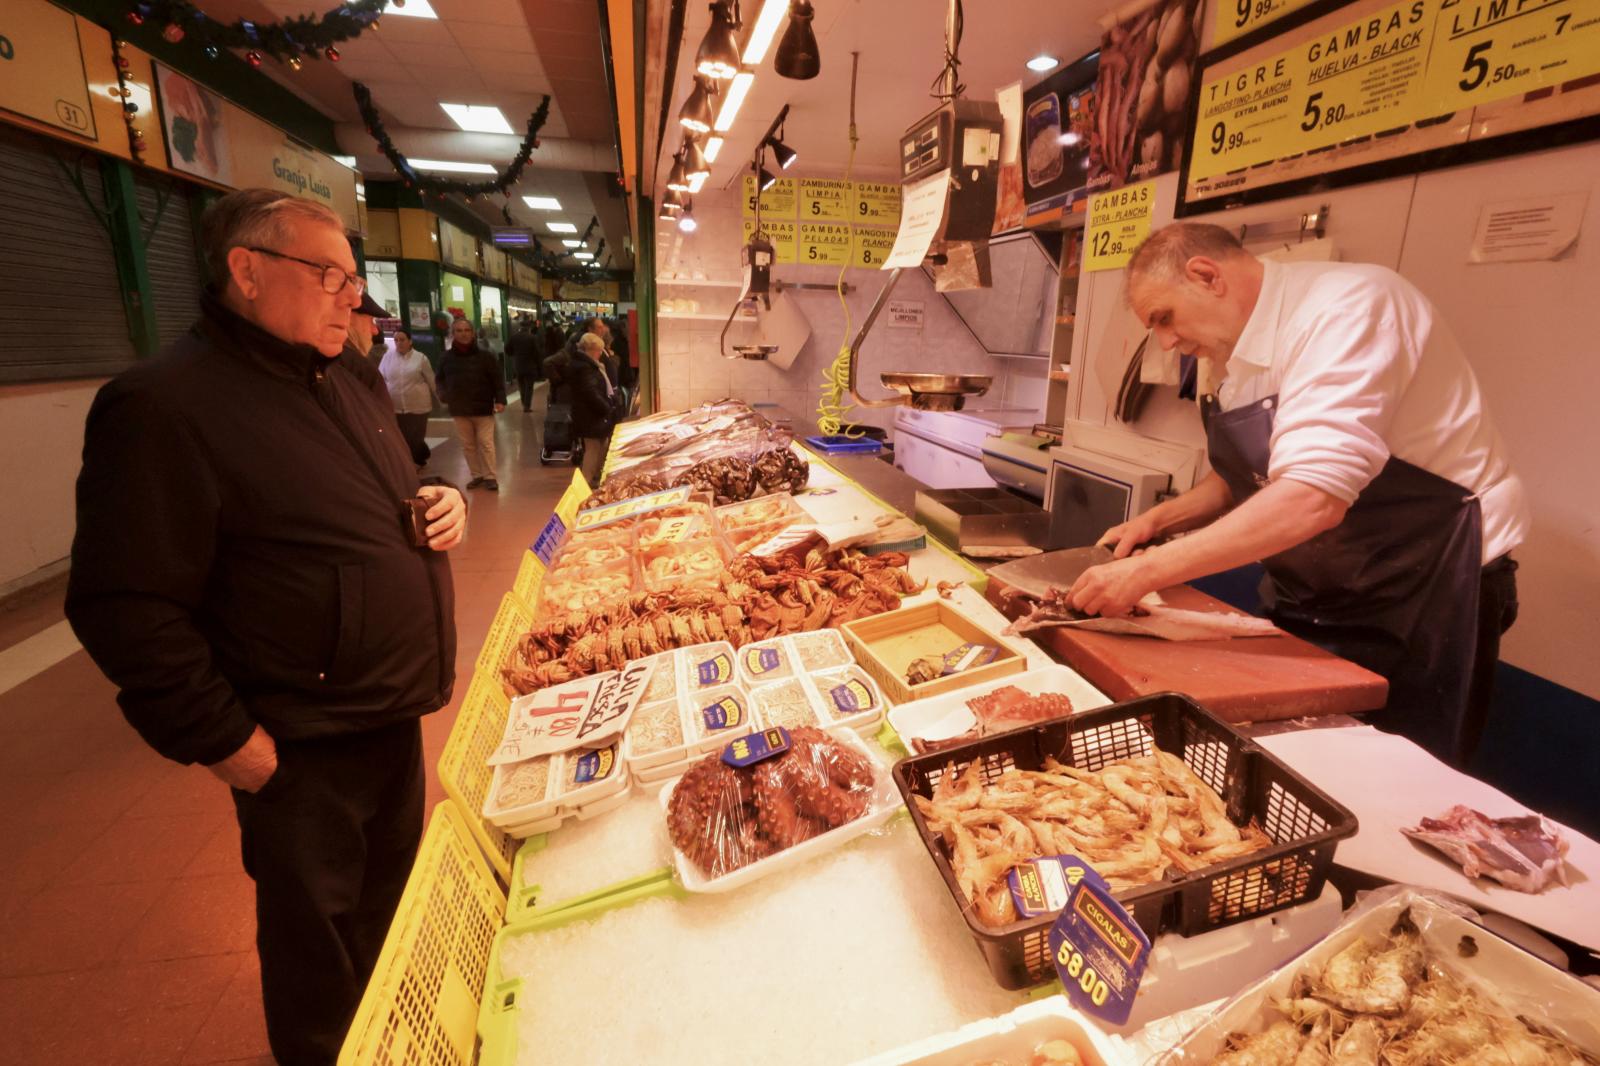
x=1408, y=978
x=718, y=715
x=723, y=819
x=692, y=564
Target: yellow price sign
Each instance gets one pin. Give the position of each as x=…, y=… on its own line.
x=1118, y=221
x=875, y=203
x=1485, y=50
x=824, y=200
x=870, y=247
x=783, y=236
x=1235, y=18
x=779, y=201
x=824, y=243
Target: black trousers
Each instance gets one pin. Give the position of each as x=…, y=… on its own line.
x=526, y=382
x=414, y=428
x=329, y=842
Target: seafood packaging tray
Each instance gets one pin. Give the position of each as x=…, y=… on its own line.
x=797, y=653
x=707, y=699
x=747, y=524
x=1303, y=823
x=940, y=717
x=886, y=644
x=1510, y=977
x=842, y=697
x=1012, y=1037
x=579, y=783
x=885, y=802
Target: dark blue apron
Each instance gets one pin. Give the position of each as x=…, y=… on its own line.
x=1393, y=587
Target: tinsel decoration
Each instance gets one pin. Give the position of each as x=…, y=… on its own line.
x=290, y=41
x=124, y=93
x=437, y=187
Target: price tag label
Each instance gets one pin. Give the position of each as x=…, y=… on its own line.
x=1098, y=950
x=779, y=201
x=1235, y=18
x=824, y=243
x=747, y=751
x=1118, y=221
x=875, y=203
x=1486, y=50
x=783, y=235
x=870, y=247
x=596, y=517
x=824, y=200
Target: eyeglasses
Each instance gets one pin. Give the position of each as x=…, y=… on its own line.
x=334, y=279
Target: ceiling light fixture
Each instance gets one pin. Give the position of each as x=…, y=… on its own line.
x=713, y=148
x=416, y=9
x=669, y=212
x=678, y=177
x=733, y=99
x=583, y=255
x=782, y=153
x=450, y=166
x=477, y=119
x=766, y=28
x=698, y=182
x=694, y=160
x=798, y=56
x=1042, y=63
x=686, y=222
x=718, y=55
x=766, y=179
x=542, y=203
x=571, y=242
x=697, y=111
x=561, y=227
x=346, y=160
x=674, y=199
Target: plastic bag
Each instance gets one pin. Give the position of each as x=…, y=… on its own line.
x=1466, y=993
x=723, y=818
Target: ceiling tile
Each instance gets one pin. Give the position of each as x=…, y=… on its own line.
x=572, y=68
x=499, y=12
x=427, y=60
x=572, y=16
x=402, y=30
x=475, y=35
x=516, y=81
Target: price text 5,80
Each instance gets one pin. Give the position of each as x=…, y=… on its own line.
x=1091, y=983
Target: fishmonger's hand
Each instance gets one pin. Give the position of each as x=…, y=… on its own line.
x=1112, y=589
x=1130, y=535
x=447, y=518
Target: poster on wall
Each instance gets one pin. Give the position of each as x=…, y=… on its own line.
x=1057, y=134
x=194, y=120
x=1147, y=66
x=41, y=67
x=1365, y=90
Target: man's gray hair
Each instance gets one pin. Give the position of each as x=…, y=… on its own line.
x=591, y=342
x=1165, y=252
x=260, y=218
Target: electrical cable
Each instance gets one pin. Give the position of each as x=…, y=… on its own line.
x=952, y=62
x=832, y=408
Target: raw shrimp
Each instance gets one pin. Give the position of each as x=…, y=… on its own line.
x=1316, y=1051
x=1381, y=985
x=1277, y=1046
x=1360, y=1044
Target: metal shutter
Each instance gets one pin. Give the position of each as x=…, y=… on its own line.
x=170, y=254
x=61, y=310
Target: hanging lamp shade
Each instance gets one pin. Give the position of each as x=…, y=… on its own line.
x=694, y=159
x=678, y=178
x=698, y=113
x=674, y=199
x=765, y=178
x=798, y=56
x=686, y=221
x=782, y=153
x=718, y=56
x=669, y=211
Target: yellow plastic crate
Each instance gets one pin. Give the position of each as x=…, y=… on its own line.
x=465, y=772
x=422, y=1004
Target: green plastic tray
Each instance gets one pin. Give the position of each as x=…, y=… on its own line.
x=523, y=902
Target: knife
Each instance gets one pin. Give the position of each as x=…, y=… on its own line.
x=1035, y=575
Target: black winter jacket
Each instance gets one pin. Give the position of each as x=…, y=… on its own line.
x=594, y=414
x=470, y=382
x=240, y=557
x=526, y=349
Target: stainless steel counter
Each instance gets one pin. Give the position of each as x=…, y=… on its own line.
x=893, y=486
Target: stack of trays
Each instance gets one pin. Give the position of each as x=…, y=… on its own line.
x=695, y=704
x=842, y=697
x=538, y=795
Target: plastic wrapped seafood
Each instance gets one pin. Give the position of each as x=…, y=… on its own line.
x=584, y=551
x=1527, y=852
x=693, y=562
x=785, y=703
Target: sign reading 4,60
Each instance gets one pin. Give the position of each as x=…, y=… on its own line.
x=1486, y=50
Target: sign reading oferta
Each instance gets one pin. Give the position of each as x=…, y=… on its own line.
x=41, y=66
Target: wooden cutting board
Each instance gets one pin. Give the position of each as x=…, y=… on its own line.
x=1242, y=680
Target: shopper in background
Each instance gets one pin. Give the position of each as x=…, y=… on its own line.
x=553, y=339
x=596, y=404
x=627, y=376
x=245, y=573
x=365, y=340
x=473, y=389
x=556, y=370
x=526, y=349
x=409, y=378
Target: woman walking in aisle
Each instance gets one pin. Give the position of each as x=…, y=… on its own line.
x=409, y=376
x=475, y=392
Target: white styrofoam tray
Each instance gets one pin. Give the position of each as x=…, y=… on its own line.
x=884, y=803
x=947, y=715
x=1012, y=1037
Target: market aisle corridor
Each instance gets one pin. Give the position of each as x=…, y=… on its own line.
x=126, y=923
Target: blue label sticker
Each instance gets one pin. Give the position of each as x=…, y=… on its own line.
x=594, y=766
x=761, y=661
x=851, y=698
x=549, y=539
x=717, y=670
x=1098, y=950
x=1042, y=886
x=723, y=714
x=747, y=751
x=969, y=655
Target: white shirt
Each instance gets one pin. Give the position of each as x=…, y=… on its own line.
x=410, y=381
x=1363, y=369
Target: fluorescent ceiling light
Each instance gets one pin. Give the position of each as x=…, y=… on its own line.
x=572, y=242
x=477, y=119
x=583, y=255
x=347, y=160
x=766, y=28
x=562, y=227
x=697, y=183
x=417, y=9
x=733, y=99
x=712, y=148
x=542, y=203
x=1042, y=63
x=451, y=166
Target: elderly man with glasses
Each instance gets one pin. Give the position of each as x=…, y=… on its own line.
x=260, y=573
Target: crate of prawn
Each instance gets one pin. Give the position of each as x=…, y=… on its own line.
x=1193, y=825
x=695, y=703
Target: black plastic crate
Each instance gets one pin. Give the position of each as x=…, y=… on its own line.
x=1303, y=822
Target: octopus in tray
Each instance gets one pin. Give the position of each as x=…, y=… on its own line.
x=723, y=818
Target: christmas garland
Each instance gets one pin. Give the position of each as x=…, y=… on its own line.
x=442, y=187
x=289, y=41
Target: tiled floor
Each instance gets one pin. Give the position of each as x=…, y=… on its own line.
x=126, y=923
